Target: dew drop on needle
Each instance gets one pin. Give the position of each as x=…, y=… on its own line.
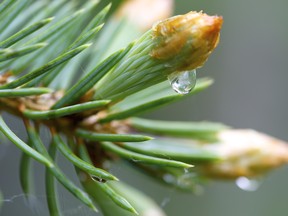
x=97, y=179
x=183, y=82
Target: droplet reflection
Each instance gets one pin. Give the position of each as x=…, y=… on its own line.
x=183, y=82
x=247, y=184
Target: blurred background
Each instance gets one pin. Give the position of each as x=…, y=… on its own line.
x=250, y=71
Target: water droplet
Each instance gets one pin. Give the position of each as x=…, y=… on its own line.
x=190, y=181
x=247, y=184
x=100, y=180
x=186, y=170
x=168, y=178
x=183, y=82
x=135, y=160
x=11, y=79
x=185, y=180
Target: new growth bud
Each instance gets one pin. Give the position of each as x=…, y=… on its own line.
x=186, y=40
x=177, y=44
x=246, y=153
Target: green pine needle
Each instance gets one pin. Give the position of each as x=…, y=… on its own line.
x=12, y=12
x=71, y=68
x=86, y=37
x=69, y=110
x=25, y=175
x=5, y=5
x=174, y=149
x=141, y=158
x=140, y=201
x=87, y=82
x=66, y=151
x=90, y=30
x=10, y=53
x=99, y=18
x=23, y=92
x=207, y=131
x=51, y=190
x=55, y=170
x=57, y=28
x=111, y=137
x=45, y=68
x=117, y=198
x=105, y=187
x=150, y=99
x=24, y=33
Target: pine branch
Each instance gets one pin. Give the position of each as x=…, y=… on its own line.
x=90, y=100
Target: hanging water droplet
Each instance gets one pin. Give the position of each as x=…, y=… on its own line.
x=190, y=181
x=247, y=184
x=186, y=170
x=186, y=180
x=183, y=82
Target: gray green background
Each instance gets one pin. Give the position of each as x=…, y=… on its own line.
x=250, y=91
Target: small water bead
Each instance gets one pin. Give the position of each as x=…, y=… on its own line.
x=190, y=181
x=186, y=170
x=183, y=82
x=170, y=179
x=11, y=79
x=247, y=184
x=97, y=179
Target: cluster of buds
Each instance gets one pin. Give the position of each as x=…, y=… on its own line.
x=215, y=150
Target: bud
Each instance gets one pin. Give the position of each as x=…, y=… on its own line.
x=245, y=153
x=186, y=40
